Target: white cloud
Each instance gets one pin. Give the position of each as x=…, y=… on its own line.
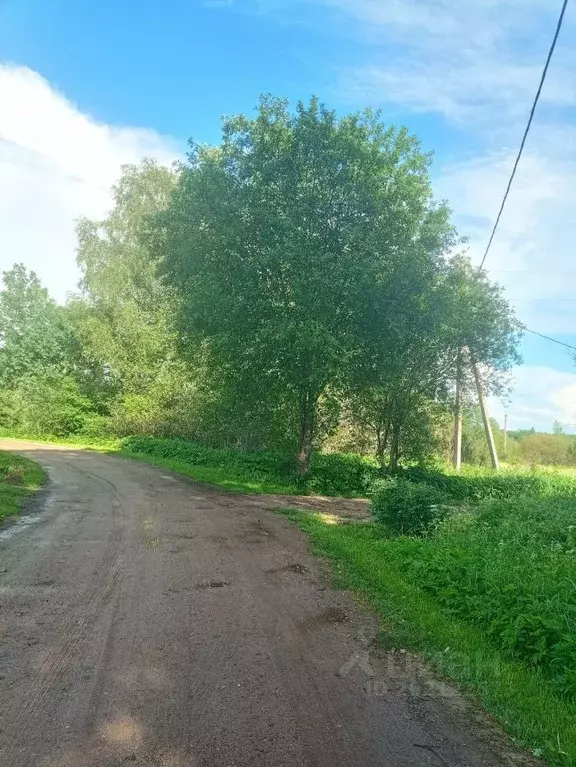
x=542, y=395
x=459, y=58
x=56, y=164
x=460, y=89
x=477, y=64
x=532, y=253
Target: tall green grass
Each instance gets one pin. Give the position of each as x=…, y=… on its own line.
x=452, y=596
x=476, y=484
x=508, y=567
x=19, y=479
x=330, y=474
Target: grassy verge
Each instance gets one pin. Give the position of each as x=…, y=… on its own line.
x=364, y=560
x=235, y=470
x=231, y=480
x=19, y=479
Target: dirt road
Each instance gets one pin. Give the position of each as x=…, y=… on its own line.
x=147, y=621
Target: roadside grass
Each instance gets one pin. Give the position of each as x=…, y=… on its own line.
x=366, y=561
x=264, y=472
x=19, y=479
x=233, y=481
x=88, y=443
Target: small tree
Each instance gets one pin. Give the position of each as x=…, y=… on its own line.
x=34, y=336
x=408, y=367
x=42, y=370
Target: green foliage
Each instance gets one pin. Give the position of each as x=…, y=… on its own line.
x=41, y=369
x=122, y=315
x=332, y=474
x=472, y=485
x=402, y=384
x=408, y=508
x=297, y=242
x=49, y=406
x=548, y=449
x=506, y=562
x=341, y=474
x=392, y=573
x=524, y=446
x=258, y=463
x=474, y=448
x=509, y=567
x=34, y=338
x=19, y=479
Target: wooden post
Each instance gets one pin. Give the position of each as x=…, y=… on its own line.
x=485, y=417
x=458, y=415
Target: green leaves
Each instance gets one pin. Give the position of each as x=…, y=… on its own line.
x=299, y=273
x=505, y=566
x=295, y=245
x=34, y=338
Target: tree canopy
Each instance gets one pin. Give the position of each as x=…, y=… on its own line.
x=308, y=253
x=296, y=283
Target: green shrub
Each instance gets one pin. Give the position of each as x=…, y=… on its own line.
x=408, y=508
x=50, y=406
x=509, y=568
x=479, y=484
x=347, y=474
x=259, y=463
x=330, y=474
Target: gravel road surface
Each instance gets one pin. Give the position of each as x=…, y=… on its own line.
x=146, y=620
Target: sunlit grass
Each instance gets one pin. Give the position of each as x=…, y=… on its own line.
x=225, y=478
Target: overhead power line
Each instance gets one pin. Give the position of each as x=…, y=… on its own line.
x=541, y=299
x=548, y=338
x=533, y=271
x=532, y=111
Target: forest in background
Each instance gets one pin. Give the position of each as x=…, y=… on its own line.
x=295, y=288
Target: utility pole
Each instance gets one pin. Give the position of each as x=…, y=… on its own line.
x=505, y=435
x=458, y=415
x=485, y=416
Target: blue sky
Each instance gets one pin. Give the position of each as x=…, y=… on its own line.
x=85, y=87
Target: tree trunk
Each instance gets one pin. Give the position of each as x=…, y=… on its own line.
x=307, y=418
x=394, y=450
x=381, y=443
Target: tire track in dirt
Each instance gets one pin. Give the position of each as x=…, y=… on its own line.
x=149, y=621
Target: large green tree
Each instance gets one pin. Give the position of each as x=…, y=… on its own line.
x=284, y=243
x=122, y=314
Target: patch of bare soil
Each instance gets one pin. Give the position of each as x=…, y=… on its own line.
x=346, y=509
